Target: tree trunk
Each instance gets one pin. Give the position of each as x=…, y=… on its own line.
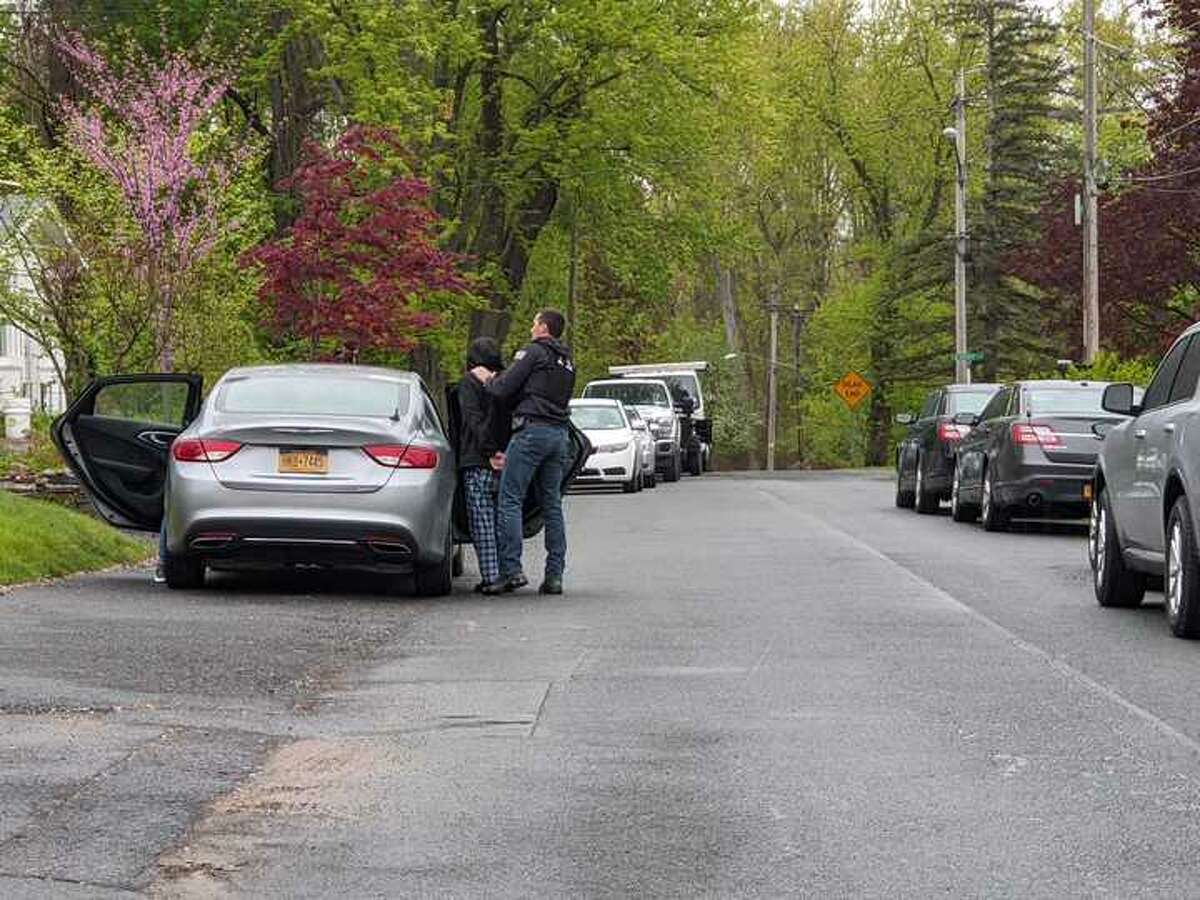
x=295, y=103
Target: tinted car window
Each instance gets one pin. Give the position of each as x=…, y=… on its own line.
x=1184, y=387
x=1047, y=401
x=144, y=401
x=635, y=393
x=1160, y=386
x=967, y=401
x=995, y=407
x=931, y=404
x=315, y=395
x=598, y=418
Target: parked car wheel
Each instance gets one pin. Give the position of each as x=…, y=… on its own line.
x=991, y=514
x=1116, y=585
x=904, y=499
x=652, y=480
x=1182, y=584
x=631, y=486
x=436, y=580
x=672, y=471
x=925, y=501
x=183, y=572
x=695, y=464
x=960, y=511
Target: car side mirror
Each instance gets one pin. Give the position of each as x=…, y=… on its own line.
x=1118, y=399
x=969, y=419
x=905, y=419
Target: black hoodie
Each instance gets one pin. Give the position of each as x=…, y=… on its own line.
x=539, y=383
x=485, y=424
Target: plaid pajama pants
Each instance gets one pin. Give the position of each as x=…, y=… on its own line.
x=480, y=486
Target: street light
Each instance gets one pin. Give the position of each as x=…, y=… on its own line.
x=962, y=369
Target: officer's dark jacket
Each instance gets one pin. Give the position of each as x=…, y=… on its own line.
x=485, y=422
x=539, y=383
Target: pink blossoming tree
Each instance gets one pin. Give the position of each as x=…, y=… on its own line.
x=142, y=131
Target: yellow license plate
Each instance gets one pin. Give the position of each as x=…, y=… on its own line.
x=304, y=462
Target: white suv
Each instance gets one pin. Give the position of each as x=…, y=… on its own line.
x=652, y=398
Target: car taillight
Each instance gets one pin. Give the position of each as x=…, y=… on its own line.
x=948, y=431
x=1032, y=433
x=203, y=450
x=399, y=456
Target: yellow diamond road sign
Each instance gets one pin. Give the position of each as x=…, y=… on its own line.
x=853, y=388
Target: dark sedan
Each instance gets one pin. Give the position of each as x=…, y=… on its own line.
x=1031, y=453
x=925, y=458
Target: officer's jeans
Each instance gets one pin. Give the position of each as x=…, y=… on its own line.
x=535, y=458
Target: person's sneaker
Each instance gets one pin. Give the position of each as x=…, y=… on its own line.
x=552, y=585
x=160, y=577
x=478, y=589
x=492, y=588
x=515, y=582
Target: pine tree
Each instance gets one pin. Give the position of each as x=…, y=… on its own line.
x=1021, y=71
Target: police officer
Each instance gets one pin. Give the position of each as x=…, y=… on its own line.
x=537, y=386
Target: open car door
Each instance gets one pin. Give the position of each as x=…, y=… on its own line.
x=581, y=449
x=116, y=438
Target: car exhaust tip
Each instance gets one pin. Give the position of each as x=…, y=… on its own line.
x=389, y=547
x=212, y=540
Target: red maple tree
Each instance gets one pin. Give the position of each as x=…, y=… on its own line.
x=341, y=282
x=1149, y=227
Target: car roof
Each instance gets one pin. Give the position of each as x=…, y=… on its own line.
x=970, y=388
x=626, y=381
x=284, y=370
x=1058, y=383
x=595, y=401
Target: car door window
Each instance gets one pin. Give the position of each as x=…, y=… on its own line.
x=1184, y=386
x=996, y=405
x=1014, y=403
x=163, y=403
x=929, y=410
x=1159, y=391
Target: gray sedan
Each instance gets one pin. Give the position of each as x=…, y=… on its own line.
x=294, y=465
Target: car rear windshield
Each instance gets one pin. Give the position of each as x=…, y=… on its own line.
x=1065, y=400
x=315, y=395
x=632, y=392
x=597, y=418
x=967, y=401
x=682, y=386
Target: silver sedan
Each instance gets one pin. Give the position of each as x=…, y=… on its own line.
x=300, y=465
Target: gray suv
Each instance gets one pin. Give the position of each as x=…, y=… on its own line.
x=1147, y=492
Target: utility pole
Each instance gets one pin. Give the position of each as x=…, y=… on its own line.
x=771, y=386
x=796, y=386
x=1091, y=231
x=962, y=368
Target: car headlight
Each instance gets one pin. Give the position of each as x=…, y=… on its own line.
x=612, y=448
x=660, y=427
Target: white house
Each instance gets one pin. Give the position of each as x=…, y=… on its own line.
x=28, y=379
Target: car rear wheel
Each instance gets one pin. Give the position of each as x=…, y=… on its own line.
x=436, y=580
x=652, y=480
x=1182, y=581
x=672, y=471
x=960, y=511
x=695, y=462
x=991, y=514
x=183, y=572
x=1116, y=585
x=925, y=501
x=904, y=499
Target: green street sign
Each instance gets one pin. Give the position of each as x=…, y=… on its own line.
x=975, y=356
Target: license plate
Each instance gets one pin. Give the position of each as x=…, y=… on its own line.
x=304, y=462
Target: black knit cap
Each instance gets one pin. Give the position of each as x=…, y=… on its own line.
x=484, y=351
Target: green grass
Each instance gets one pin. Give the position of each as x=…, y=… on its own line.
x=42, y=540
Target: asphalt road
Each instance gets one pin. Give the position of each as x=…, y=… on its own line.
x=754, y=687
